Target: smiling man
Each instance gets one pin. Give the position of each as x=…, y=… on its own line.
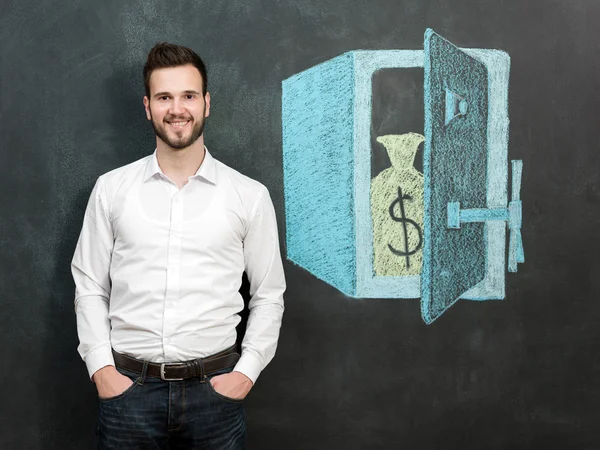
x=158, y=267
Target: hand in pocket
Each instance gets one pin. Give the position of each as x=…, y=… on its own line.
x=110, y=382
x=234, y=385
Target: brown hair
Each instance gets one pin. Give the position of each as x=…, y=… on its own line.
x=164, y=55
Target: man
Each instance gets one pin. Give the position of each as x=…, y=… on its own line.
x=158, y=266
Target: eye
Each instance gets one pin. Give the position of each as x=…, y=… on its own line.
x=164, y=96
x=191, y=95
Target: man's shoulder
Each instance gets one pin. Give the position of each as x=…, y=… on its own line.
x=239, y=181
x=118, y=175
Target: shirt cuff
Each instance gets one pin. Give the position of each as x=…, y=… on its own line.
x=249, y=365
x=99, y=358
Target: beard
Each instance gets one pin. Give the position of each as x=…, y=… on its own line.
x=176, y=139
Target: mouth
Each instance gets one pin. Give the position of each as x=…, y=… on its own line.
x=179, y=125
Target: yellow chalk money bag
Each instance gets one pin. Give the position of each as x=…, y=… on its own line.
x=397, y=209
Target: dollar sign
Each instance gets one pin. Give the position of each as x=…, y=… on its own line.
x=402, y=219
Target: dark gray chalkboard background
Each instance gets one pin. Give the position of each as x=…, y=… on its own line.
x=523, y=373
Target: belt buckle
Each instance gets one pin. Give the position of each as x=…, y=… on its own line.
x=162, y=374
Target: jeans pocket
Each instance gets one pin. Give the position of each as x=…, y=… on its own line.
x=215, y=393
x=125, y=392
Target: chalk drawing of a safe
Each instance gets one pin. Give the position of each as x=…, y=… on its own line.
x=326, y=120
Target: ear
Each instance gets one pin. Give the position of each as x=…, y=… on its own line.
x=207, y=101
x=147, y=107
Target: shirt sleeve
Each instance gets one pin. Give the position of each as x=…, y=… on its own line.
x=267, y=284
x=90, y=268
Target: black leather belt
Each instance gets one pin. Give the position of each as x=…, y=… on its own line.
x=195, y=368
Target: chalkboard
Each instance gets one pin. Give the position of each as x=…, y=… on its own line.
x=351, y=371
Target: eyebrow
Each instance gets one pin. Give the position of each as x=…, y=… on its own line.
x=160, y=94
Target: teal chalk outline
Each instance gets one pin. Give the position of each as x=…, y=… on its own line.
x=497, y=62
x=367, y=284
x=492, y=287
x=363, y=64
x=318, y=171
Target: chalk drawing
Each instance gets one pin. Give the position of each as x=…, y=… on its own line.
x=397, y=209
x=439, y=236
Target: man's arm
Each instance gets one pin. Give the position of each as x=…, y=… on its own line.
x=267, y=284
x=90, y=268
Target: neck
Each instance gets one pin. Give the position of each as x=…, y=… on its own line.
x=180, y=164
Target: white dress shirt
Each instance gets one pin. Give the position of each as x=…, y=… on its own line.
x=157, y=269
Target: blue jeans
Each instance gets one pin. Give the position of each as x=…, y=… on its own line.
x=157, y=414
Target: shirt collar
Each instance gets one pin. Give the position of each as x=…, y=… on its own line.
x=207, y=169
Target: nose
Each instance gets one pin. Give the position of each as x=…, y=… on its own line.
x=176, y=108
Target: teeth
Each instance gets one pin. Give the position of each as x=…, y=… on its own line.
x=179, y=124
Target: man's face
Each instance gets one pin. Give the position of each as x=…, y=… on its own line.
x=176, y=106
